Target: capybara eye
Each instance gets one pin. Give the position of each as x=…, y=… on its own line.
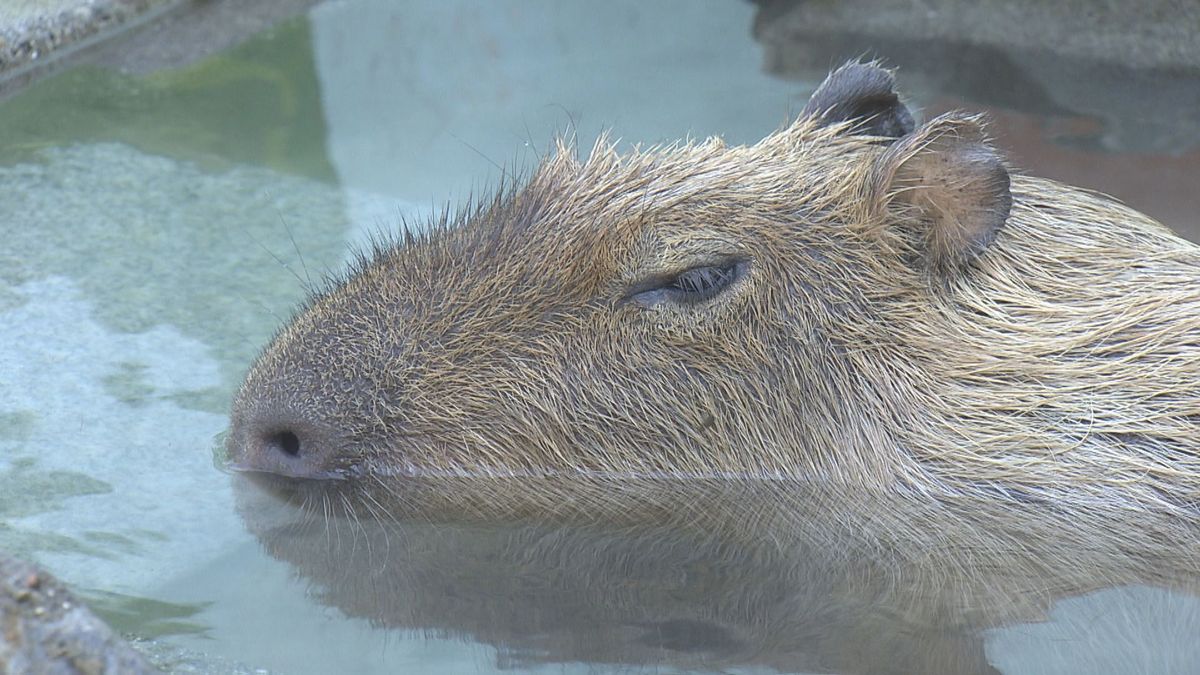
x=701, y=283
x=691, y=286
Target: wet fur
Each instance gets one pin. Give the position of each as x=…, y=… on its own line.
x=944, y=395
x=1049, y=355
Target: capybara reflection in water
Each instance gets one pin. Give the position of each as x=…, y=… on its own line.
x=855, y=300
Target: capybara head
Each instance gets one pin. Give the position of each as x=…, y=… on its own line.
x=853, y=300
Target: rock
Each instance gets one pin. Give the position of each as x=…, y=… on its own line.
x=46, y=629
x=1096, y=59
x=30, y=30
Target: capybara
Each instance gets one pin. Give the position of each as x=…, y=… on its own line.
x=835, y=401
x=853, y=301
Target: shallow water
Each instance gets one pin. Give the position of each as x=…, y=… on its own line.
x=157, y=228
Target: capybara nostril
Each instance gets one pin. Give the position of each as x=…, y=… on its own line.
x=285, y=442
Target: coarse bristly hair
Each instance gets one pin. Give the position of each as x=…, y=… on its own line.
x=904, y=314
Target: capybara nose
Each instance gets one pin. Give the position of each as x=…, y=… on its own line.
x=282, y=444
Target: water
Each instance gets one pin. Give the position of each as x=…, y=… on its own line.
x=158, y=227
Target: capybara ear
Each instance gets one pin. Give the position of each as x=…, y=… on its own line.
x=862, y=93
x=948, y=183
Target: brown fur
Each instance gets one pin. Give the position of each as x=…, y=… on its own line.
x=936, y=397
x=911, y=323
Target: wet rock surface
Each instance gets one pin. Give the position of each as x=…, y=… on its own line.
x=46, y=629
x=31, y=29
x=1151, y=34
x=41, y=37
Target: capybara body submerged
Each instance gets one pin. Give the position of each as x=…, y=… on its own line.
x=853, y=301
